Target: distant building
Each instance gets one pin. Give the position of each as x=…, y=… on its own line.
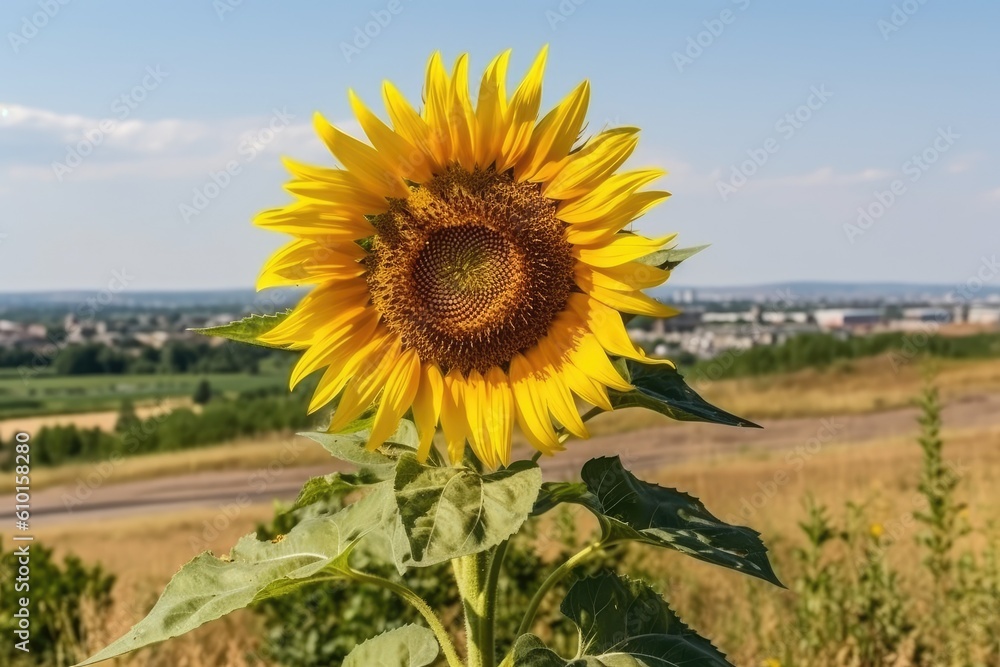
x=984, y=315
x=847, y=318
x=940, y=315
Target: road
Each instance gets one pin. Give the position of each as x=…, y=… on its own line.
x=643, y=449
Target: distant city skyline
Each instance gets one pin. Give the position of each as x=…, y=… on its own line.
x=854, y=142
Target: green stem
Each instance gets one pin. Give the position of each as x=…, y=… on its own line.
x=557, y=575
x=473, y=573
x=435, y=624
x=492, y=586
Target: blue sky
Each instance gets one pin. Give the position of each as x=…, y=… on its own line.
x=847, y=141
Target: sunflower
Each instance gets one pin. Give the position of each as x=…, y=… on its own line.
x=469, y=264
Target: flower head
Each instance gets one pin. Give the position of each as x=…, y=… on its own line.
x=469, y=263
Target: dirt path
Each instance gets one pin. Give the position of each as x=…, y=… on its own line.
x=644, y=449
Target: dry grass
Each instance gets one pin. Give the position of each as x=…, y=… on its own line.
x=760, y=489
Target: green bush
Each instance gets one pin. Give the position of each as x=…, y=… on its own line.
x=63, y=598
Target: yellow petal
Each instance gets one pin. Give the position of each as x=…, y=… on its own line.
x=475, y=407
x=427, y=407
x=490, y=109
x=376, y=171
x=578, y=382
x=408, y=123
x=349, y=331
x=521, y=114
x=590, y=166
x=558, y=397
x=633, y=302
x=337, y=376
x=604, y=199
x=500, y=414
x=623, y=278
x=604, y=229
x=454, y=423
x=462, y=119
x=607, y=325
x=344, y=190
x=317, y=220
x=367, y=382
x=306, y=262
x=437, y=105
x=400, y=388
x=622, y=248
x=409, y=161
x=531, y=408
x=315, y=310
x=554, y=136
x=589, y=356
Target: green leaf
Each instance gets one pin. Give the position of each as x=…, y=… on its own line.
x=530, y=651
x=208, y=588
x=620, y=615
x=659, y=387
x=623, y=623
x=333, y=485
x=630, y=509
x=451, y=512
x=555, y=493
x=248, y=329
x=670, y=258
x=352, y=446
x=408, y=646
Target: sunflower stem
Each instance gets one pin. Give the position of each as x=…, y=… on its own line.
x=407, y=594
x=473, y=574
x=557, y=575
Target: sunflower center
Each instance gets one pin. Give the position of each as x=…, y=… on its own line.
x=471, y=269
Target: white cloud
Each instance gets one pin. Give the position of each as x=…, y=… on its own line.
x=43, y=145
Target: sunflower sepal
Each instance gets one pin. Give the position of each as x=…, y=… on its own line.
x=670, y=258
x=248, y=330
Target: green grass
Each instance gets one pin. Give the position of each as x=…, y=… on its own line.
x=50, y=394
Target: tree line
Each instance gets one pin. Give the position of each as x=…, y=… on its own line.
x=174, y=357
x=821, y=350
x=252, y=413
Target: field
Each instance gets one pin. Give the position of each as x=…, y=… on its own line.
x=46, y=394
x=744, y=476
x=745, y=618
